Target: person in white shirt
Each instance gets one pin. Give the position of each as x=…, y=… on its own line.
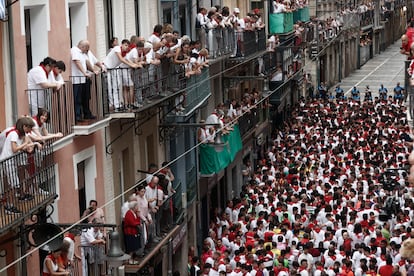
x=89, y=239
x=80, y=65
x=112, y=61
x=127, y=83
x=155, y=37
x=201, y=26
x=37, y=83
x=55, y=75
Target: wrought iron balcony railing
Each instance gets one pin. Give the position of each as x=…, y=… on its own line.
x=28, y=185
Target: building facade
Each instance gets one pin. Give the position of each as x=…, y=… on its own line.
x=107, y=157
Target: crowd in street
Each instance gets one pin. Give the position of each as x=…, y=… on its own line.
x=330, y=197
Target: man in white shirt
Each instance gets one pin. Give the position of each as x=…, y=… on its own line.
x=80, y=65
x=37, y=83
x=201, y=26
x=112, y=61
x=89, y=239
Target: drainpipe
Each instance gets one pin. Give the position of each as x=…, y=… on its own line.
x=12, y=66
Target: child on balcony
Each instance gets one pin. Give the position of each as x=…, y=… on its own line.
x=15, y=141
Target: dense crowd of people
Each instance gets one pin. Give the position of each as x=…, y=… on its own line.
x=330, y=197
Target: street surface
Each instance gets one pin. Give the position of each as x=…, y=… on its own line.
x=386, y=68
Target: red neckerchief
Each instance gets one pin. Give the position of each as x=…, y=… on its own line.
x=11, y=130
x=44, y=69
x=38, y=121
x=123, y=53
x=156, y=34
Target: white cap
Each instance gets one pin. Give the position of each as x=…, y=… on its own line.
x=236, y=10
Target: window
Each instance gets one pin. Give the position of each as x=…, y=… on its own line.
x=28, y=39
x=137, y=29
x=81, y=187
x=109, y=20
x=35, y=26
x=84, y=166
x=77, y=21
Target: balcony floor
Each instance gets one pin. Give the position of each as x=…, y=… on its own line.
x=27, y=207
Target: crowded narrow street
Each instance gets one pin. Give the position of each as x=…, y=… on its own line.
x=330, y=196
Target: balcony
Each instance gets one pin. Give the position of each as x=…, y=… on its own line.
x=281, y=23
x=367, y=19
x=26, y=174
x=220, y=41
x=216, y=157
x=195, y=91
x=171, y=222
x=248, y=121
x=301, y=14
x=60, y=105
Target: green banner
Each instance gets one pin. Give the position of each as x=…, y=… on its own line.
x=214, y=158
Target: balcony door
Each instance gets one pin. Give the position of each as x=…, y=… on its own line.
x=36, y=19
x=81, y=187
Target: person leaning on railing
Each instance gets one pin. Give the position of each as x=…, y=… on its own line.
x=90, y=242
x=39, y=132
x=14, y=140
x=112, y=61
x=131, y=229
x=38, y=81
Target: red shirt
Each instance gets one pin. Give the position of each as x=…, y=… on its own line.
x=385, y=270
x=131, y=221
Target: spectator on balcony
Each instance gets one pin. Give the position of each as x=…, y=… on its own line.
x=202, y=133
x=239, y=26
x=257, y=15
x=154, y=202
x=81, y=80
x=55, y=76
x=112, y=43
x=155, y=37
x=39, y=131
x=112, y=61
x=214, y=25
x=132, y=229
x=215, y=119
x=152, y=169
x=91, y=242
x=272, y=43
x=71, y=255
x=127, y=83
x=145, y=214
x=278, y=6
x=15, y=140
x=278, y=74
x=200, y=26
x=37, y=83
x=51, y=266
x=94, y=212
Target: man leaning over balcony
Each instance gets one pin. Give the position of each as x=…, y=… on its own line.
x=38, y=82
x=80, y=79
x=112, y=62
